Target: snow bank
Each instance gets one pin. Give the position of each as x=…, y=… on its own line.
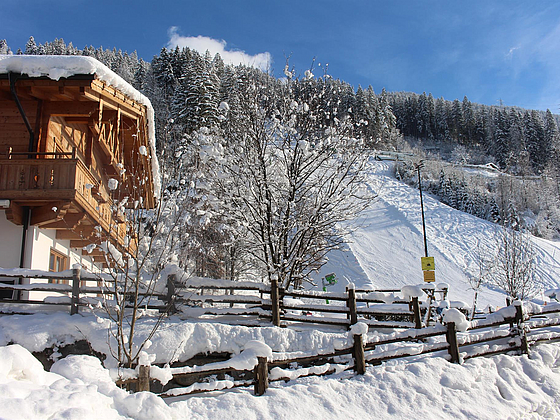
x=498, y=387
x=78, y=387
x=56, y=67
x=176, y=340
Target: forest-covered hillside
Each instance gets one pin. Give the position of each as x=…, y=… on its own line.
x=207, y=111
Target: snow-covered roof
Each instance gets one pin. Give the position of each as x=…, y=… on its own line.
x=57, y=66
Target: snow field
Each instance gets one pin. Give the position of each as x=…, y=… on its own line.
x=385, y=249
x=504, y=387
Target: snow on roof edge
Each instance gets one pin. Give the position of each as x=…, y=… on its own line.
x=57, y=66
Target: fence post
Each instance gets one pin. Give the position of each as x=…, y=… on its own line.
x=143, y=378
x=451, y=337
x=524, y=346
x=417, y=313
x=171, y=278
x=261, y=376
x=75, y=299
x=351, y=303
x=275, y=299
x=359, y=355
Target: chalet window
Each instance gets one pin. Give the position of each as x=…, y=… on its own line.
x=58, y=262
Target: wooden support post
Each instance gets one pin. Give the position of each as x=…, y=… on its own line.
x=281, y=293
x=359, y=355
x=275, y=298
x=170, y=299
x=75, y=299
x=417, y=313
x=518, y=313
x=451, y=336
x=143, y=378
x=351, y=302
x=524, y=346
x=429, y=309
x=261, y=376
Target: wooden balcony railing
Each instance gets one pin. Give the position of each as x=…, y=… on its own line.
x=29, y=180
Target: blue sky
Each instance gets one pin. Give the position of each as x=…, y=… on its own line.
x=491, y=51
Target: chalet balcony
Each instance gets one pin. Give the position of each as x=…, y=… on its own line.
x=62, y=194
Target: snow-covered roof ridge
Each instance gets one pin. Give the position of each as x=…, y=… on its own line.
x=57, y=66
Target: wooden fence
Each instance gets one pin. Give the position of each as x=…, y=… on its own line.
x=219, y=297
x=337, y=309
x=74, y=286
x=508, y=330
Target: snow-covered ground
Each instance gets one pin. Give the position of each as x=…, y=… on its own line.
x=385, y=250
x=501, y=387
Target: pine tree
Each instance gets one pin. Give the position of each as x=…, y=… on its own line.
x=4, y=49
x=31, y=47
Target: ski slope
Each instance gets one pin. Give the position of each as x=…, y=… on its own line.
x=385, y=249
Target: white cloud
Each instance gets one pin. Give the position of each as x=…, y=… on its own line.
x=202, y=44
x=511, y=51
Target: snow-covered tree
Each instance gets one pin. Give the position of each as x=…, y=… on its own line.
x=289, y=184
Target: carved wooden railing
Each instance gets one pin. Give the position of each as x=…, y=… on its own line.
x=57, y=180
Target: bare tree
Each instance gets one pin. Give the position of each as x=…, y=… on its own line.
x=484, y=266
x=139, y=268
x=514, y=264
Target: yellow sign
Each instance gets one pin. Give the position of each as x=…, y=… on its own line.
x=429, y=276
x=428, y=263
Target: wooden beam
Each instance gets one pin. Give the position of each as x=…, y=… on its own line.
x=14, y=213
x=80, y=233
x=69, y=93
x=70, y=109
x=113, y=102
x=43, y=94
x=96, y=253
x=77, y=120
x=49, y=213
x=80, y=243
x=88, y=155
x=70, y=221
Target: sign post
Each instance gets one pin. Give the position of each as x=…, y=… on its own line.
x=428, y=267
x=329, y=280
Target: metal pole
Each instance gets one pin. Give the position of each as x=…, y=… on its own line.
x=422, y=208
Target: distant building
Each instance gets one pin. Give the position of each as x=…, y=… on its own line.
x=71, y=131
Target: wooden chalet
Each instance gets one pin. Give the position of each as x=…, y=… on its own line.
x=63, y=143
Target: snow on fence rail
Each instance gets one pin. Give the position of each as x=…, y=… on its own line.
x=508, y=330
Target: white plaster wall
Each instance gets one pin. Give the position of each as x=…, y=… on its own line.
x=10, y=242
x=37, y=253
x=42, y=242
